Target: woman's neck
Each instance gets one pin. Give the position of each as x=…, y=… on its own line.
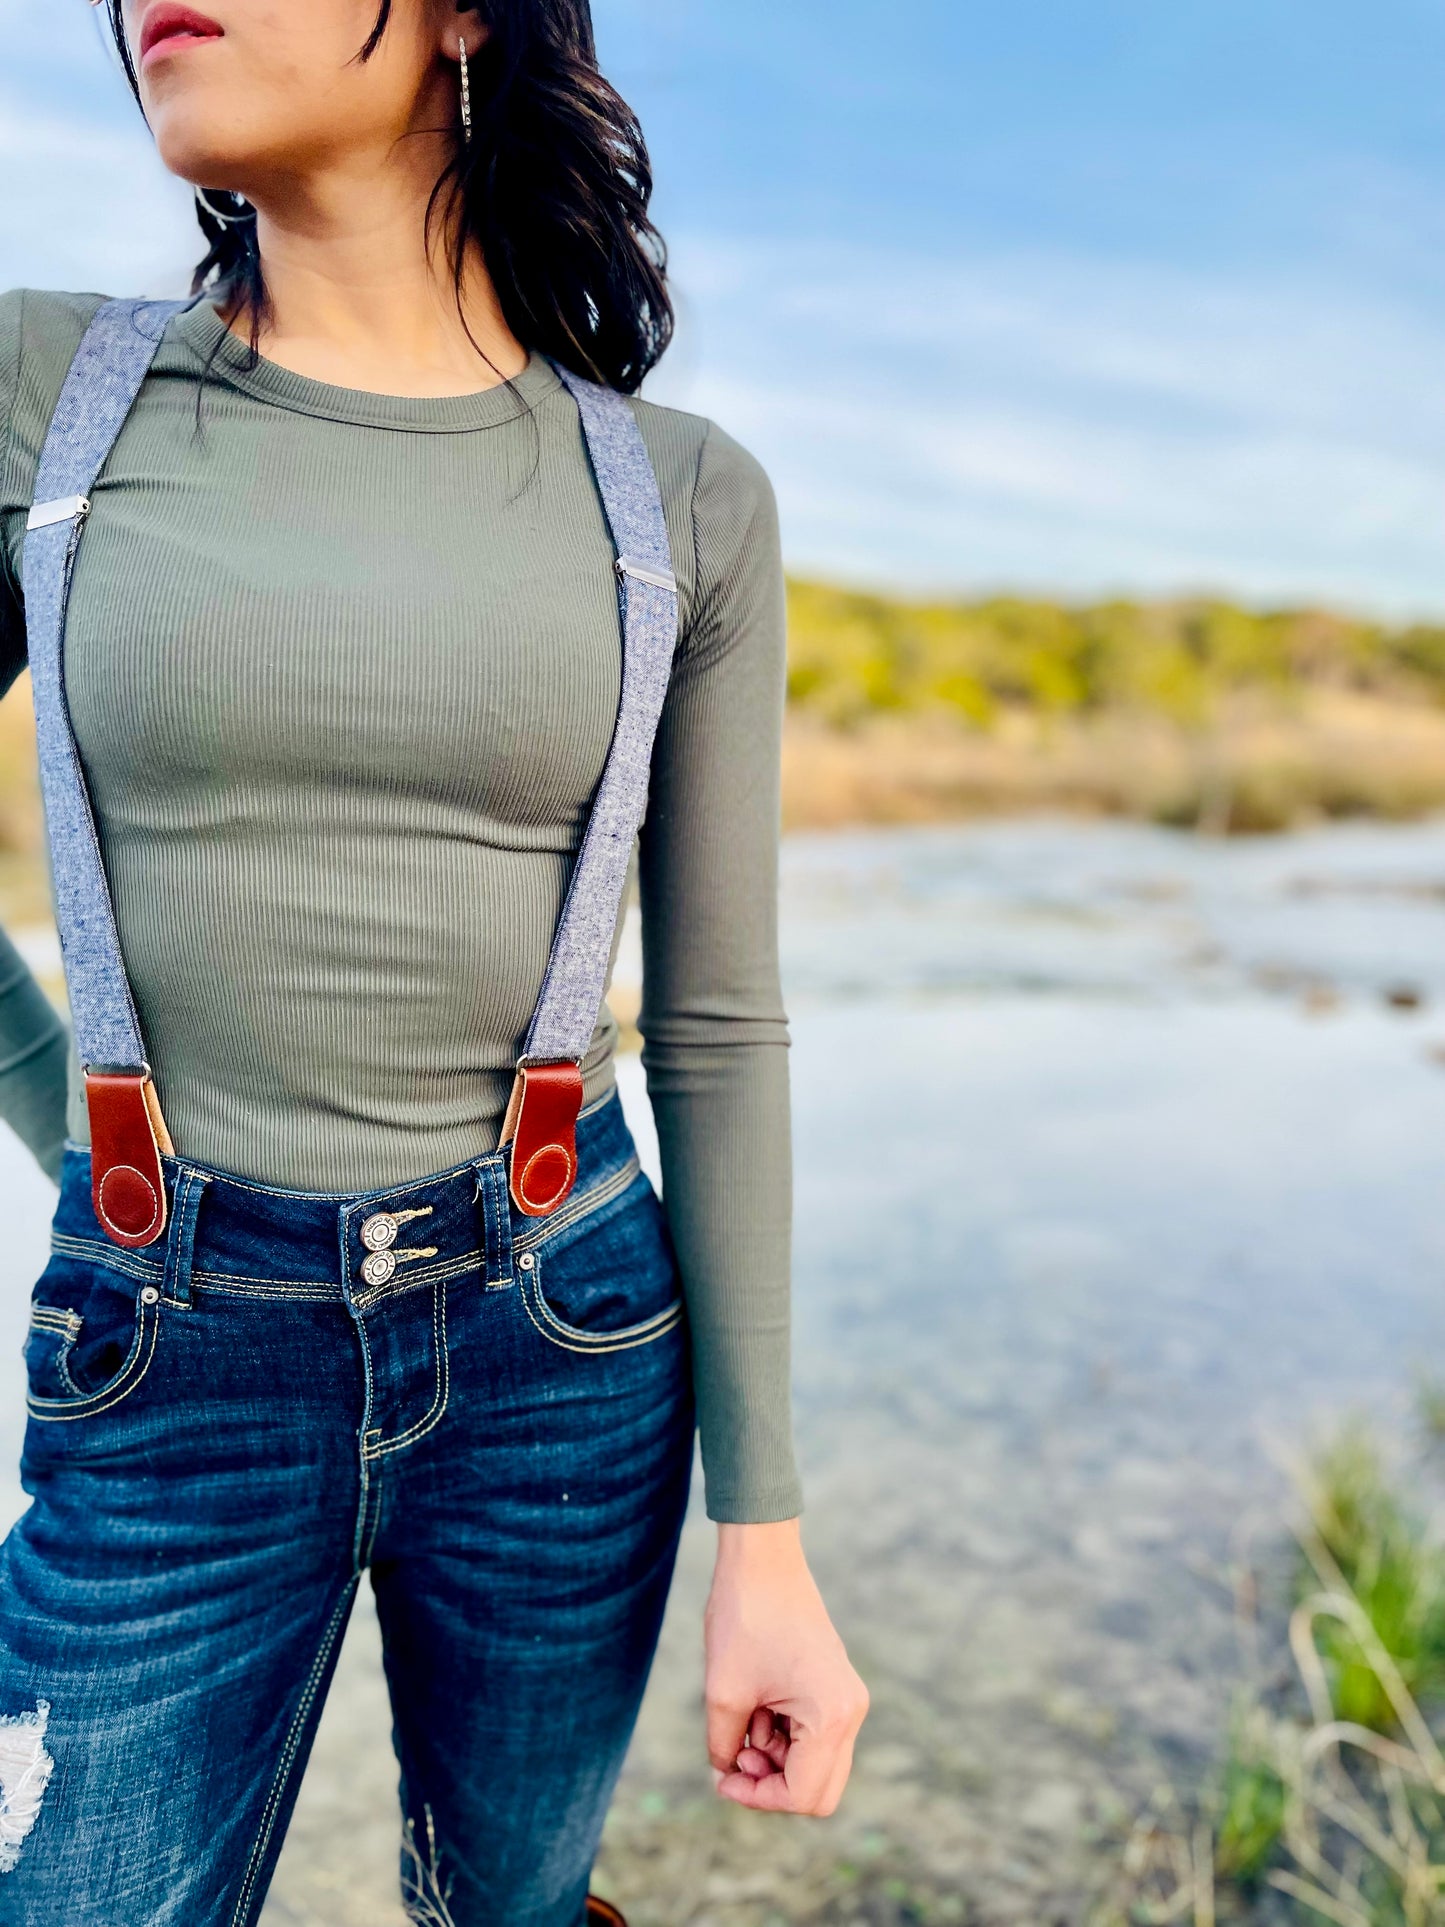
x=357, y=296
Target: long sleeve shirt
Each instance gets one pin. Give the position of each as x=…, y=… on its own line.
x=343, y=669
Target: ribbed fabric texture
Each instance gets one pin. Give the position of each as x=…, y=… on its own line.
x=343, y=670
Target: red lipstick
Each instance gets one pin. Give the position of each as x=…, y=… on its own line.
x=167, y=27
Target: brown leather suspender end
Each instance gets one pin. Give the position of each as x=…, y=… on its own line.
x=541, y=1127
x=127, y=1136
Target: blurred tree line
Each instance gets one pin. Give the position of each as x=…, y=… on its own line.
x=854, y=655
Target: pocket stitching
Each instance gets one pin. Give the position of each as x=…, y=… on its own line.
x=568, y=1338
x=57, y=1410
x=442, y=1394
x=64, y=1325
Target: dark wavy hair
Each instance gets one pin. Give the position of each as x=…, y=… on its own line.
x=554, y=187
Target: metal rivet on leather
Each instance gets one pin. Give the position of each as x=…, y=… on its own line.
x=379, y=1231
x=150, y=1296
x=378, y=1267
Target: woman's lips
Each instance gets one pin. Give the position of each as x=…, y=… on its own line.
x=168, y=27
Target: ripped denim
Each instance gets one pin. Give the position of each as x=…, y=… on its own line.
x=489, y=1414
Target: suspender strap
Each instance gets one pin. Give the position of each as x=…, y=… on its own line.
x=128, y=1132
x=547, y=1094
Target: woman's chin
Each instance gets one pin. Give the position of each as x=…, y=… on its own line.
x=184, y=128
x=201, y=165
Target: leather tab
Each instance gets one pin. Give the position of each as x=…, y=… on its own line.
x=127, y=1186
x=541, y=1127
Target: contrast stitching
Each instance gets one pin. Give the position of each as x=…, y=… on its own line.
x=314, y=1285
x=158, y=1203
x=496, y=1266
x=62, y=1368
x=554, y=1197
x=101, y=1252
x=581, y=1206
x=53, y=1411
x=288, y=1752
x=443, y=1391
x=623, y=1341
x=53, y=1318
x=399, y=1284
x=359, y=1537
x=183, y=1233
x=434, y=1274
x=297, y=1290
x=672, y=1311
x=367, y=1301
x=364, y=1552
x=368, y=1203
x=55, y=1322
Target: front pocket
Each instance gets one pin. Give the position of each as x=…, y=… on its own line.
x=573, y=1338
x=90, y=1342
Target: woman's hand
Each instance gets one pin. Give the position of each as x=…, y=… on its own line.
x=783, y=1704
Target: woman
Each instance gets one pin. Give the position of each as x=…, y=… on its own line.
x=341, y=662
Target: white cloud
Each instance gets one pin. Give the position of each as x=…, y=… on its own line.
x=87, y=205
x=1075, y=424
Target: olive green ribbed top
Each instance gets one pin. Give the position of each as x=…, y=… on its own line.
x=343, y=669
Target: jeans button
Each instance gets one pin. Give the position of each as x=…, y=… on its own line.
x=379, y=1231
x=377, y=1268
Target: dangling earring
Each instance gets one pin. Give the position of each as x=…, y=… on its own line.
x=466, y=92
x=245, y=213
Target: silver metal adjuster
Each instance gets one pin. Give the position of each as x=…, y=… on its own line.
x=66, y=508
x=647, y=572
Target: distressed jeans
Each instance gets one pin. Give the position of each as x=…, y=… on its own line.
x=490, y=1414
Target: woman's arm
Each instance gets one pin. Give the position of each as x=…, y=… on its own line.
x=34, y=1048
x=33, y=1039
x=715, y=1037
x=784, y=1705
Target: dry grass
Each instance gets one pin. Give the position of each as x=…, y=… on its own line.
x=1265, y=764
x=24, y=894
x=1336, y=1819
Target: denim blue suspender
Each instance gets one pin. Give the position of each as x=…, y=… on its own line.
x=128, y=1132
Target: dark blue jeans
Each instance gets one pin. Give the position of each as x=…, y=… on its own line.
x=491, y=1414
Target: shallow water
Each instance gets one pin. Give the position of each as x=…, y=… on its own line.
x=1120, y=1159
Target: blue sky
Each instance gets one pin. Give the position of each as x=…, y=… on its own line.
x=1075, y=295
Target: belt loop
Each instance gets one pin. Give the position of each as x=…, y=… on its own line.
x=496, y=1221
x=182, y=1242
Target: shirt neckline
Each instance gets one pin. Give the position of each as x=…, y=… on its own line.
x=229, y=360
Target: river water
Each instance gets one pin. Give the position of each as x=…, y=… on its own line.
x=1120, y=1161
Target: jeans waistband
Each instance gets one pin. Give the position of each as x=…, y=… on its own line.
x=227, y=1234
